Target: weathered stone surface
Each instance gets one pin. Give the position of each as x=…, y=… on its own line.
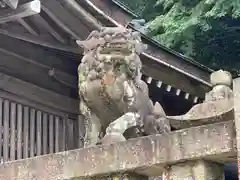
x=121, y=176
x=236, y=90
x=221, y=77
x=205, y=113
x=217, y=107
x=146, y=155
x=197, y=170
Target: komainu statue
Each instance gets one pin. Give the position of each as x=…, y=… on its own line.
x=114, y=100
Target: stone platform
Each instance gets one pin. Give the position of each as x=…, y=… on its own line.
x=144, y=156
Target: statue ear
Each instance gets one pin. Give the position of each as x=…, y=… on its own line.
x=80, y=43
x=91, y=43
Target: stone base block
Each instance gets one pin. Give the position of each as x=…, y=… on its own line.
x=195, y=170
x=125, y=176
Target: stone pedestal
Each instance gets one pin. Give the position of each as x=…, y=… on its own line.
x=195, y=170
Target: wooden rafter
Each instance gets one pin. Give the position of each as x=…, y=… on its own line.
x=25, y=10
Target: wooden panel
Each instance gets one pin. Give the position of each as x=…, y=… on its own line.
x=32, y=131
x=50, y=134
x=57, y=121
x=19, y=131
x=39, y=133
x=45, y=133
x=12, y=64
x=25, y=132
x=65, y=16
x=63, y=134
x=38, y=54
x=13, y=115
x=6, y=106
x=38, y=95
x=1, y=126
x=69, y=134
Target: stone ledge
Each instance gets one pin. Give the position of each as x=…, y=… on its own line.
x=146, y=155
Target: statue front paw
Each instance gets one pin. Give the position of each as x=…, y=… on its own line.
x=112, y=138
x=160, y=125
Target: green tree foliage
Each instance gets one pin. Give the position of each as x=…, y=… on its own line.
x=206, y=30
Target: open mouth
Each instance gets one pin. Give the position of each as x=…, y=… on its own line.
x=116, y=48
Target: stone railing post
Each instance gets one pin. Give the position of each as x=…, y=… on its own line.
x=197, y=170
x=201, y=169
x=221, y=81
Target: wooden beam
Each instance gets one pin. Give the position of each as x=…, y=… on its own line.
x=167, y=75
x=60, y=23
x=67, y=18
x=25, y=10
x=175, y=60
x=27, y=27
x=85, y=17
x=28, y=93
x=27, y=70
x=12, y=3
x=40, y=41
x=107, y=8
x=43, y=23
x=146, y=155
x=38, y=55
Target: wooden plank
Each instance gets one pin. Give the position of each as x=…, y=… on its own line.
x=57, y=121
x=80, y=13
x=19, y=130
x=25, y=132
x=68, y=132
x=41, y=96
x=45, y=133
x=6, y=107
x=38, y=40
x=32, y=131
x=11, y=64
x=44, y=24
x=40, y=55
x=25, y=101
x=70, y=137
x=24, y=10
x=13, y=116
x=67, y=18
x=1, y=127
x=51, y=134
x=63, y=133
x=39, y=133
x=75, y=134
